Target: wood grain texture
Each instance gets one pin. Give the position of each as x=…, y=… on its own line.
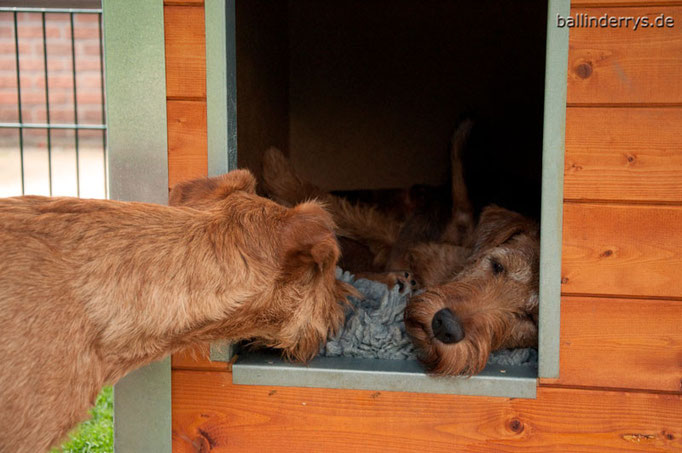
x=623, y=65
x=630, y=250
x=623, y=154
x=211, y=413
x=621, y=343
x=187, y=150
x=185, y=52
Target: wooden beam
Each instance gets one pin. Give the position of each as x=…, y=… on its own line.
x=624, y=154
x=622, y=250
x=621, y=343
x=209, y=412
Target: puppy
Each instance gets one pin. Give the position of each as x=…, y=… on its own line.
x=104, y=287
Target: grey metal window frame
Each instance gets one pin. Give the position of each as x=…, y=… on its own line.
x=264, y=369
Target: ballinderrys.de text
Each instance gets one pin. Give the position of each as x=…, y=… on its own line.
x=606, y=20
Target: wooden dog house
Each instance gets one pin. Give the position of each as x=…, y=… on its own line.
x=610, y=372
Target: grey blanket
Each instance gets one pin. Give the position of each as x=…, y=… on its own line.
x=374, y=328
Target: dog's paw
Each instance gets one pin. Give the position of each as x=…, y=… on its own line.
x=403, y=279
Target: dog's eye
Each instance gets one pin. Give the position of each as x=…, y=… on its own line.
x=497, y=267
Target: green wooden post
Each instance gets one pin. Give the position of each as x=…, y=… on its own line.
x=221, y=86
x=221, y=105
x=552, y=189
x=138, y=170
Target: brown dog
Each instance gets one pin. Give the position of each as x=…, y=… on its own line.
x=492, y=303
x=92, y=289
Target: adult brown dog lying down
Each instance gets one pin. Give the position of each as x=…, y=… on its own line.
x=92, y=289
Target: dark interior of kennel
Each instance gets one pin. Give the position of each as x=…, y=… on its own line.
x=366, y=94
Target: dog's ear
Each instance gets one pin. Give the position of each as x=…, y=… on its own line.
x=498, y=225
x=308, y=238
x=203, y=193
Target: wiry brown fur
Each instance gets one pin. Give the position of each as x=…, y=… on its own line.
x=396, y=244
x=92, y=289
x=360, y=222
x=203, y=193
x=434, y=263
x=494, y=297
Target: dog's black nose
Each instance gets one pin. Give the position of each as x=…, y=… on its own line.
x=446, y=327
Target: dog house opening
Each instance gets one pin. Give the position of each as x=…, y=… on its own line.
x=378, y=102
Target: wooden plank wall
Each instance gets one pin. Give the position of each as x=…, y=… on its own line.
x=622, y=247
x=185, y=89
x=621, y=345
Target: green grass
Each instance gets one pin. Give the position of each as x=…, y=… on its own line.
x=97, y=434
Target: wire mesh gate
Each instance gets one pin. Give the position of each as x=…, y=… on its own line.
x=52, y=115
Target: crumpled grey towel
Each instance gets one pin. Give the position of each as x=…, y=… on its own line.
x=374, y=328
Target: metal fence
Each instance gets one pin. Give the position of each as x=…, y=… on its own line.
x=54, y=142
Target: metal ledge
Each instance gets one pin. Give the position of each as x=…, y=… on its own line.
x=266, y=368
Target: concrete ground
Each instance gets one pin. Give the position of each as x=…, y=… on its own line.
x=36, y=172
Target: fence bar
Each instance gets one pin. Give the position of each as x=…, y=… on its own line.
x=47, y=109
x=104, y=114
x=99, y=127
x=75, y=107
x=21, y=130
x=16, y=9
